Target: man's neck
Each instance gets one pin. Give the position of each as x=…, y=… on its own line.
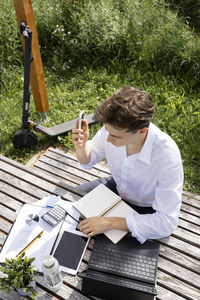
x=136, y=147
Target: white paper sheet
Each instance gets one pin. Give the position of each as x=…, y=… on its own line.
x=29, y=224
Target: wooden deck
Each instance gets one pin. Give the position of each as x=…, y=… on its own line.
x=57, y=172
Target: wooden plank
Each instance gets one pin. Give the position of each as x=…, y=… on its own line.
x=30, y=175
x=33, y=185
x=191, y=195
x=179, y=272
x=185, y=235
x=9, y=202
x=74, y=163
x=73, y=281
x=5, y=225
x=70, y=169
x=165, y=294
x=23, y=197
x=179, y=258
x=11, y=182
x=177, y=286
x=182, y=247
x=42, y=294
x=65, y=292
x=101, y=166
x=7, y=213
x=190, y=209
x=189, y=226
x=191, y=201
x=13, y=295
x=2, y=237
x=75, y=174
x=189, y=217
x=59, y=174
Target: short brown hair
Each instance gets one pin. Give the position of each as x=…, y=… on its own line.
x=128, y=108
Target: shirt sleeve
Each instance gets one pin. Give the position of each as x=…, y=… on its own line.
x=167, y=205
x=97, y=148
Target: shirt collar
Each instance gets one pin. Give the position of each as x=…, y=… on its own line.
x=146, y=152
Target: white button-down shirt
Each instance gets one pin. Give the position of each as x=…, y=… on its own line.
x=152, y=177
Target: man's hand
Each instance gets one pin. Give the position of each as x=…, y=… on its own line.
x=79, y=139
x=96, y=225
x=80, y=136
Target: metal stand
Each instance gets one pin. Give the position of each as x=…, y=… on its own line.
x=26, y=138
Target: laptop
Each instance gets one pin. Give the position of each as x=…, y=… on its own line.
x=126, y=268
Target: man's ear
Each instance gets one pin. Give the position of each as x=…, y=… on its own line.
x=144, y=130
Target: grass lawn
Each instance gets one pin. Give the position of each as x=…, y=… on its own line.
x=89, y=50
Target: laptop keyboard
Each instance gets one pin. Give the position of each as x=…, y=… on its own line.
x=133, y=266
x=120, y=281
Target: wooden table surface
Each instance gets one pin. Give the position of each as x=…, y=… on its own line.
x=57, y=172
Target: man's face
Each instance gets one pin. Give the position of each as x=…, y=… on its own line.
x=120, y=137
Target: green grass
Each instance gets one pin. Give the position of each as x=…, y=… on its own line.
x=92, y=48
x=190, y=10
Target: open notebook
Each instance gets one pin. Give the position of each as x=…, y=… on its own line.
x=101, y=201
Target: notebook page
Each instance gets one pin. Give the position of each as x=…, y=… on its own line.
x=120, y=210
x=96, y=202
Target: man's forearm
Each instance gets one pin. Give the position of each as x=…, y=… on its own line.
x=117, y=223
x=83, y=155
x=96, y=225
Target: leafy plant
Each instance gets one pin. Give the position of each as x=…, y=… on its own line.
x=10, y=48
x=19, y=274
x=190, y=9
x=141, y=32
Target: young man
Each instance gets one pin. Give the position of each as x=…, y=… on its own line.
x=145, y=165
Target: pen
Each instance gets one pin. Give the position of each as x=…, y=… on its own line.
x=31, y=243
x=72, y=217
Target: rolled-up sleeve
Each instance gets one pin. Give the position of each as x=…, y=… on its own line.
x=167, y=203
x=97, y=148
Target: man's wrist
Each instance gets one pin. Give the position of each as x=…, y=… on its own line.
x=83, y=155
x=117, y=223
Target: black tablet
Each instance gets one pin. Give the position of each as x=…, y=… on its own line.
x=70, y=249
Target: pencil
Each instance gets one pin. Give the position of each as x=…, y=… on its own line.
x=31, y=243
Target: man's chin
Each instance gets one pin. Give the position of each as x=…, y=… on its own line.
x=115, y=145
